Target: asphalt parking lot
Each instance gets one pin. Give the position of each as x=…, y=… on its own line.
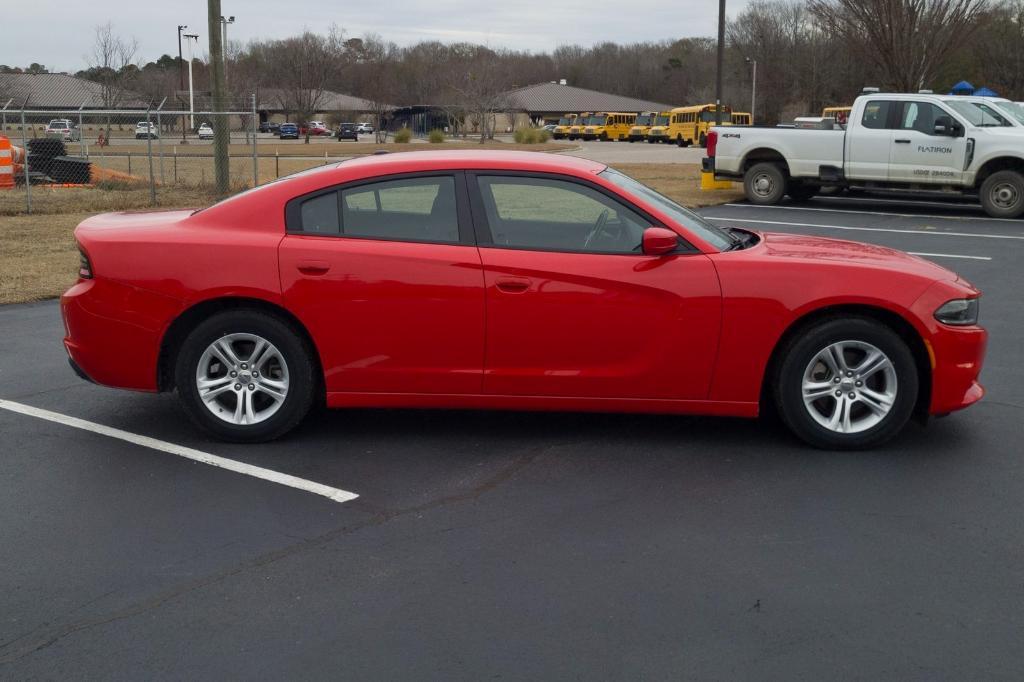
x=521, y=546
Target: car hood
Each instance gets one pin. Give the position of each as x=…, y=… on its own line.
x=855, y=254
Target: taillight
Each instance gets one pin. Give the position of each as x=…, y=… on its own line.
x=711, y=143
x=84, y=266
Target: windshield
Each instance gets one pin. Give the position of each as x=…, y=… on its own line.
x=661, y=121
x=644, y=120
x=979, y=114
x=597, y=120
x=563, y=121
x=1013, y=109
x=714, y=236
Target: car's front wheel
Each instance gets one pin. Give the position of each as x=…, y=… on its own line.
x=846, y=383
x=245, y=376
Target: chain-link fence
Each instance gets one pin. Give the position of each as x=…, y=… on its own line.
x=92, y=160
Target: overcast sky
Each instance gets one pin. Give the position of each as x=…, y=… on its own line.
x=60, y=34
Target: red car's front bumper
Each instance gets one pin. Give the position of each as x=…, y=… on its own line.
x=113, y=332
x=956, y=354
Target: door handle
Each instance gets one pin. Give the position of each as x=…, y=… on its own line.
x=512, y=285
x=902, y=141
x=313, y=267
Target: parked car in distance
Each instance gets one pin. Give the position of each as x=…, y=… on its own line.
x=288, y=131
x=364, y=127
x=567, y=286
x=550, y=127
x=205, y=131
x=264, y=127
x=144, y=130
x=274, y=127
x=59, y=127
x=314, y=128
x=347, y=131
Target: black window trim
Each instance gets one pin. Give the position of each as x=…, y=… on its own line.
x=483, y=231
x=293, y=209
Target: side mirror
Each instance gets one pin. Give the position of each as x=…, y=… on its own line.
x=658, y=241
x=945, y=125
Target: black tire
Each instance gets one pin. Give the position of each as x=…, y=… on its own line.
x=301, y=371
x=764, y=184
x=798, y=191
x=796, y=358
x=1002, y=194
x=679, y=140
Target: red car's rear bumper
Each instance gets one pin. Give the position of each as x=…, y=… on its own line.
x=113, y=332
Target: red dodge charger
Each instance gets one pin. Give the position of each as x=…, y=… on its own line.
x=515, y=281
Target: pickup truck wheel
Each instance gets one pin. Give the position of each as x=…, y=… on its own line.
x=764, y=183
x=1002, y=194
x=846, y=383
x=801, y=192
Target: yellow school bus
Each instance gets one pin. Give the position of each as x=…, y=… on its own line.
x=576, y=127
x=740, y=118
x=642, y=126
x=690, y=125
x=608, y=126
x=840, y=114
x=561, y=130
x=659, y=128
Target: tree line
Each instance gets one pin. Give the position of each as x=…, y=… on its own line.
x=809, y=54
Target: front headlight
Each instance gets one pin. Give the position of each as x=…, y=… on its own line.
x=959, y=312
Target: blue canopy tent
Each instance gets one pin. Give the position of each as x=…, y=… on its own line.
x=962, y=88
x=985, y=92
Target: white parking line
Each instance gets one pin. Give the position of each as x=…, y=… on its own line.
x=947, y=255
x=335, y=494
x=933, y=233
x=886, y=213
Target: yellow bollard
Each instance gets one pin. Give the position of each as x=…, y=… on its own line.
x=708, y=182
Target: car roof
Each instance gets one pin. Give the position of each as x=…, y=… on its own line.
x=475, y=159
x=250, y=207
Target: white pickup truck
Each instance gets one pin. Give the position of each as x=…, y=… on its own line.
x=911, y=142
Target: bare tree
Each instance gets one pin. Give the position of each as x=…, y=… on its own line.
x=906, y=40
x=999, y=50
x=112, y=64
x=480, y=88
x=374, y=70
x=301, y=67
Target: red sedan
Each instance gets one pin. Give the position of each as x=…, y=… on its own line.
x=513, y=281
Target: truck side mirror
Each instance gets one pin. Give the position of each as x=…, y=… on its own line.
x=945, y=125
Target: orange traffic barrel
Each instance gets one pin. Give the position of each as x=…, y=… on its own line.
x=6, y=164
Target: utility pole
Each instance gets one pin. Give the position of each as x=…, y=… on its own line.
x=221, y=132
x=753, y=88
x=224, y=21
x=721, y=58
x=191, y=91
x=181, y=77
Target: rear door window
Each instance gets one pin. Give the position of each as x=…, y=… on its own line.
x=876, y=114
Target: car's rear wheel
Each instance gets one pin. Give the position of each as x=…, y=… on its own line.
x=846, y=383
x=245, y=376
x=764, y=183
x=1002, y=194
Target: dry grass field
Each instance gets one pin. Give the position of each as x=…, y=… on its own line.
x=38, y=259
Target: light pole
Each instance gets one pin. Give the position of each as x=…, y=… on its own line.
x=191, y=94
x=224, y=21
x=181, y=76
x=753, y=88
x=720, y=59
